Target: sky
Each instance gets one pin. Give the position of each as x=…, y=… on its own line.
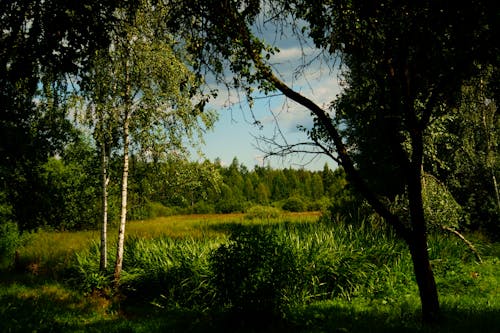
x=235, y=135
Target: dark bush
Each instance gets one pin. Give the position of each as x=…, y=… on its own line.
x=203, y=207
x=9, y=241
x=252, y=273
x=230, y=206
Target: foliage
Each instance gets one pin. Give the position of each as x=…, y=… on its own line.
x=203, y=207
x=252, y=273
x=462, y=153
x=440, y=207
x=65, y=196
x=41, y=43
x=9, y=242
x=71, y=189
x=339, y=272
x=294, y=204
x=403, y=66
x=9, y=234
x=172, y=273
x=83, y=271
x=262, y=212
x=150, y=210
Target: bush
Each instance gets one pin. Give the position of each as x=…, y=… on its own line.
x=253, y=272
x=150, y=210
x=83, y=270
x=203, y=207
x=156, y=209
x=440, y=207
x=295, y=204
x=319, y=205
x=262, y=212
x=9, y=241
x=230, y=206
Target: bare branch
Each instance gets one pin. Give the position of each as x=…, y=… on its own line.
x=468, y=243
x=325, y=121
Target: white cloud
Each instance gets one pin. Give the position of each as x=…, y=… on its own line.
x=287, y=54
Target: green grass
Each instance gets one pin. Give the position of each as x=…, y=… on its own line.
x=340, y=279
x=50, y=250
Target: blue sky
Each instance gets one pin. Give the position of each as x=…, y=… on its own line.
x=235, y=136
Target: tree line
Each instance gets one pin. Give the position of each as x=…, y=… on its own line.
x=67, y=191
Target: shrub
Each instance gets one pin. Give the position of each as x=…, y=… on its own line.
x=157, y=209
x=253, y=272
x=230, y=206
x=295, y=204
x=319, y=205
x=83, y=270
x=150, y=210
x=262, y=212
x=440, y=207
x=9, y=241
x=203, y=207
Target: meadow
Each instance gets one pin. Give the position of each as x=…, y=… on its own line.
x=247, y=273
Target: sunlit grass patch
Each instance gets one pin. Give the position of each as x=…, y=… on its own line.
x=48, y=306
x=50, y=251
x=46, y=251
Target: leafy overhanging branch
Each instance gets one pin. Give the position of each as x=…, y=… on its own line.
x=253, y=50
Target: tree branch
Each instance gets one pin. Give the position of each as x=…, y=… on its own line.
x=468, y=243
x=344, y=158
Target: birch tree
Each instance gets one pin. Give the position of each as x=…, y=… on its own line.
x=144, y=87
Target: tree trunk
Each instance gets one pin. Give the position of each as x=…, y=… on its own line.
x=425, y=278
x=123, y=213
x=495, y=186
x=418, y=236
x=103, y=264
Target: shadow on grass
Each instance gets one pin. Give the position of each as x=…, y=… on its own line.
x=43, y=307
x=329, y=317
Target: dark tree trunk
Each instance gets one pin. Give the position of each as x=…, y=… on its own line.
x=425, y=278
x=418, y=235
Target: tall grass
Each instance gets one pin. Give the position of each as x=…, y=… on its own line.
x=284, y=267
x=50, y=251
x=284, y=264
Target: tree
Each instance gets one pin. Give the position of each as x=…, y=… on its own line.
x=404, y=63
x=41, y=42
x=97, y=88
x=462, y=152
x=149, y=92
x=173, y=182
x=317, y=186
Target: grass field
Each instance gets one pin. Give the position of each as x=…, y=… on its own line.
x=217, y=273
x=48, y=250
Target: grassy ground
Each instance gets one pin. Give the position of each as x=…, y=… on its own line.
x=40, y=299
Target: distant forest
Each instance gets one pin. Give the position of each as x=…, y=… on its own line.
x=65, y=192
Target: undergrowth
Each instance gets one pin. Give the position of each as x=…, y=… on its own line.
x=273, y=267
x=310, y=277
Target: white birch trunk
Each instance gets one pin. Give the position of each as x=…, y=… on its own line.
x=123, y=214
x=103, y=264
